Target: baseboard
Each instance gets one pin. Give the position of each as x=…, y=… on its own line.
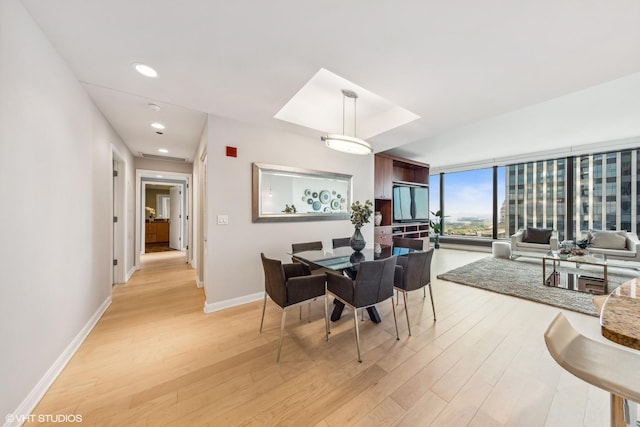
x=200, y=284
x=29, y=404
x=130, y=273
x=217, y=306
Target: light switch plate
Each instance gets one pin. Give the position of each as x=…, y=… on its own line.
x=223, y=219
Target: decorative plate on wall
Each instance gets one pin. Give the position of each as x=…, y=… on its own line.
x=325, y=196
x=335, y=204
x=307, y=192
x=317, y=205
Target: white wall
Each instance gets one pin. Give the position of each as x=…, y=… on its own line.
x=233, y=269
x=55, y=221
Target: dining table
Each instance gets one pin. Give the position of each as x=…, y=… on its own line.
x=346, y=260
x=620, y=323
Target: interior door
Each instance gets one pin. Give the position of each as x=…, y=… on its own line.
x=175, y=218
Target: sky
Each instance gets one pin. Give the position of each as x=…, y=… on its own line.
x=467, y=194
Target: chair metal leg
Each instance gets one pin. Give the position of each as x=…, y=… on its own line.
x=397, y=297
x=284, y=315
x=395, y=320
x=355, y=322
x=433, y=307
x=406, y=311
x=326, y=315
x=309, y=313
x=424, y=292
x=263, y=308
x=300, y=312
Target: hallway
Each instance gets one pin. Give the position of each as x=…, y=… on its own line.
x=140, y=340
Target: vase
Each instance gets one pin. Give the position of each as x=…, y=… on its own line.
x=356, y=241
x=377, y=218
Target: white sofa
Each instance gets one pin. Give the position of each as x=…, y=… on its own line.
x=520, y=247
x=613, y=247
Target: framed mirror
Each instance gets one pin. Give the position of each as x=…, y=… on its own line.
x=283, y=193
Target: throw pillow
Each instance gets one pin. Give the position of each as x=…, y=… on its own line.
x=537, y=235
x=608, y=240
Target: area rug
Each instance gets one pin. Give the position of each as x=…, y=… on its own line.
x=523, y=278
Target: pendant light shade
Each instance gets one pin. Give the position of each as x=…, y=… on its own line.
x=348, y=144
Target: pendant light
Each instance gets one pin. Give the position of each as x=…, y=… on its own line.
x=348, y=144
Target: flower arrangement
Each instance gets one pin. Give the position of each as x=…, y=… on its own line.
x=360, y=213
x=151, y=213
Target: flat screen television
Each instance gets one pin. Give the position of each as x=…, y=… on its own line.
x=410, y=203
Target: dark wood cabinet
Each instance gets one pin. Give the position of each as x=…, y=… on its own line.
x=156, y=232
x=389, y=170
x=383, y=177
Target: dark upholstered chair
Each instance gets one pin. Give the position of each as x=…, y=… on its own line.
x=289, y=285
x=307, y=246
x=403, y=242
x=414, y=272
x=373, y=284
x=341, y=242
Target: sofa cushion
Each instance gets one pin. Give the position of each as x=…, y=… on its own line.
x=537, y=235
x=608, y=239
x=618, y=253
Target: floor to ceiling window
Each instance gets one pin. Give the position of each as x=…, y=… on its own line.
x=602, y=191
x=468, y=200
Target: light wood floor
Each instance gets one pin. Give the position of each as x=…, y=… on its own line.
x=156, y=359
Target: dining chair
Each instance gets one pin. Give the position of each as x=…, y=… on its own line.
x=306, y=246
x=288, y=285
x=341, y=242
x=413, y=272
x=373, y=284
x=607, y=367
x=404, y=242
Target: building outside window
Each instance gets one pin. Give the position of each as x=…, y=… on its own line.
x=605, y=194
x=536, y=194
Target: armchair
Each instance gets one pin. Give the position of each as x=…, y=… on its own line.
x=373, y=284
x=531, y=241
x=614, y=245
x=412, y=273
x=288, y=285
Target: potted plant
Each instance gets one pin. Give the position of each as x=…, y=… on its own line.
x=436, y=226
x=360, y=215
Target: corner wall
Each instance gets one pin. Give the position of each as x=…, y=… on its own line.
x=56, y=217
x=233, y=271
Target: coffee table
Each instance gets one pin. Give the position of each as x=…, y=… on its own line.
x=576, y=279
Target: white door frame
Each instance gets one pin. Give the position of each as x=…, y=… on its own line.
x=140, y=192
x=119, y=229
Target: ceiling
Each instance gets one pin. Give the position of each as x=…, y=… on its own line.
x=453, y=64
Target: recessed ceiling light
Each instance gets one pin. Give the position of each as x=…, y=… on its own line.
x=163, y=150
x=157, y=126
x=153, y=107
x=159, y=176
x=145, y=70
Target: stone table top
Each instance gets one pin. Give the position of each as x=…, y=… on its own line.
x=620, y=317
